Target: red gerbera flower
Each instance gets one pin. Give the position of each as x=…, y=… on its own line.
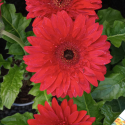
x=66, y=114
x=41, y=8
x=67, y=56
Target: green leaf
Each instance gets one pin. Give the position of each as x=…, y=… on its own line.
x=17, y=119
x=118, y=105
x=16, y=49
x=1, y=123
x=109, y=115
x=109, y=15
x=115, y=32
x=117, y=53
x=10, y=86
x=8, y=44
x=4, y=1
x=41, y=96
x=87, y=103
x=113, y=86
x=29, y=33
x=123, y=62
x=1, y=104
x=66, y=97
x=6, y=63
x=18, y=57
x=14, y=23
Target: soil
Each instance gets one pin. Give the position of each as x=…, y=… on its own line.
x=23, y=96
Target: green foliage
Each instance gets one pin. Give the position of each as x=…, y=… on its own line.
x=114, y=25
x=15, y=49
x=29, y=33
x=118, y=105
x=66, y=97
x=115, y=32
x=123, y=62
x=109, y=115
x=87, y=103
x=41, y=96
x=117, y=53
x=16, y=24
x=4, y=1
x=6, y=63
x=1, y=123
x=10, y=86
x=113, y=86
x=1, y=104
x=109, y=15
x=17, y=119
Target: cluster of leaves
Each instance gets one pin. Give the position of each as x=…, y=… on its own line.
x=105, y=102
x=17, y=119
x=101, y=110
x=16, y=24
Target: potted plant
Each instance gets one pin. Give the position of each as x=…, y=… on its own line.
x=13, y=67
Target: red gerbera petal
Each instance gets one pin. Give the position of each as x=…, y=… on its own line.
x=65, y=114
x=67, y=57
x=45, y=8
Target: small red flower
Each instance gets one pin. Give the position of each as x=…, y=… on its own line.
x=41, y=8
x=66, y=114
x=67, y=56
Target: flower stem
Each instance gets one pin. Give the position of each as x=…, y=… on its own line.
x=15, y=38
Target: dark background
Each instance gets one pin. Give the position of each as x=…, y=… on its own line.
x=20, y=7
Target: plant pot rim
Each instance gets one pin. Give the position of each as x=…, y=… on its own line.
x=23, y=104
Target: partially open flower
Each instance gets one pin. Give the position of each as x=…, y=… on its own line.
x=45, y=8
x=66, y=114
x=67, y=56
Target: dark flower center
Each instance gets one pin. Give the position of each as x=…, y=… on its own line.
x=68, y=54
x=61, y=3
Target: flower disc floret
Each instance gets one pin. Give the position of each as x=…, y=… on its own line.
x=64, y=114
x=67, y=55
